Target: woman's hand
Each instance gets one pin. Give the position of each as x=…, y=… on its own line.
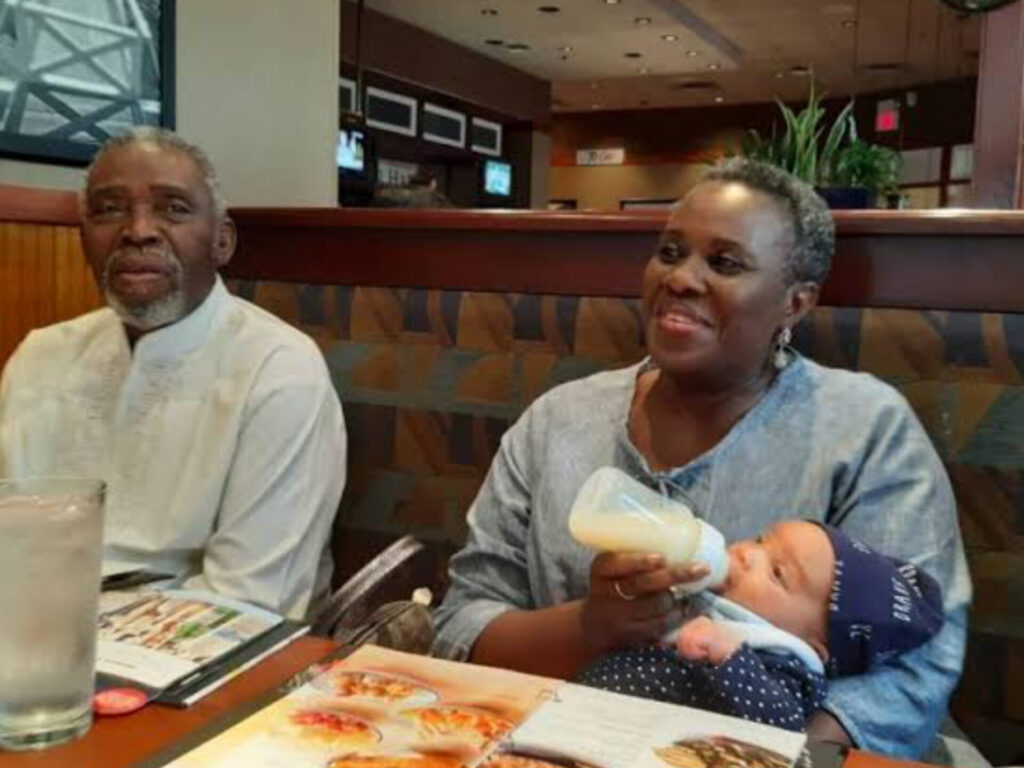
x=630, y=602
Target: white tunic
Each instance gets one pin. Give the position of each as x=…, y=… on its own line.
x=221, y=440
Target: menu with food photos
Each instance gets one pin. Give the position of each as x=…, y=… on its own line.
x=177, y=645
x=383, y=709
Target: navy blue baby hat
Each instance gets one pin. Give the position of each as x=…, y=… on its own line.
x=880, y=607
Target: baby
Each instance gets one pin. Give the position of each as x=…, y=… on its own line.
x=800, y=602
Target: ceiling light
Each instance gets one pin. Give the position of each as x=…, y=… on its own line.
x=643, y=71
x=611, y=2
x=719, y=99
x=595, y=106
x=488, y=12
x=565, y=49
x=691, y=54
x=517, y=47
x=548, y=8
x=713, y=66
x=670, y=38
x=633, y=55
x=848, y=23
x=642, y=21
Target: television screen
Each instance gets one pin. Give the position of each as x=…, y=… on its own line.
x=351, y=150
x=497, y=178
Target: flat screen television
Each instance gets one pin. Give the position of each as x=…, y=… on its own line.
x=351, y=152
x=497, y=178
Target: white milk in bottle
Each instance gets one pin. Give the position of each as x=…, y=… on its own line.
x=615, y=513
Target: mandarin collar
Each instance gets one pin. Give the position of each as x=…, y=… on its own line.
x=188, y=333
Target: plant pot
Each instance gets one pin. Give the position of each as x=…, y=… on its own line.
x=847, y=197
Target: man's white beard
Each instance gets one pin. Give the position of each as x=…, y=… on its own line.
x=163, y=311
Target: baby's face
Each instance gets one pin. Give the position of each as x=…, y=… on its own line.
x=785, y=576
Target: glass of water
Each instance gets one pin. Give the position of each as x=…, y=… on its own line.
x=51, y=543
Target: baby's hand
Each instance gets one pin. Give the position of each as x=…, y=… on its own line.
x=701, y=639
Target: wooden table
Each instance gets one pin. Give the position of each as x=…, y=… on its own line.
x=120, y=742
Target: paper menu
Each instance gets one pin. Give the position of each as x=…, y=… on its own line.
x=384, y=709
x=609, y=730
x=380, y=708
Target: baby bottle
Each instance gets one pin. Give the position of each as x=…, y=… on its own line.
x=614, y=512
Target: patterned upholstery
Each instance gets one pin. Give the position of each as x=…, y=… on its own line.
x=430, y=379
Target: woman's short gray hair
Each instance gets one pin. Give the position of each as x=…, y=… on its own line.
x=169, y=140
x=813, y=229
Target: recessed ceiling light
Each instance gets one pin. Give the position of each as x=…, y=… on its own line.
x=670, y=38
x=713, y=66
x=488, y=12
x=719, y=99
x=691, y=54
x=517, y=47
x=548, y=8
x=494, y=41
x=848, y=23
x=611, y=2
x=642, y=21
x=633, y=55
x=565, y=49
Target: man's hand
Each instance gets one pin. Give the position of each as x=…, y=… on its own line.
x=702, y=639
x=629, y=601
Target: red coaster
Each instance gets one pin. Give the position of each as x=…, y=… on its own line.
x=118, y=701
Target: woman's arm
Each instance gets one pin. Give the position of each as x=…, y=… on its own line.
x=899, y=501
x=491, y=614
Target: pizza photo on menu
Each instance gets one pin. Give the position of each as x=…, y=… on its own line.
x=719, y=752
x=472, y=724
x=397, y=761
x=345, y=683
x=332, y=728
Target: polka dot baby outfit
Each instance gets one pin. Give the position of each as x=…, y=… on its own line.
x=768, y=680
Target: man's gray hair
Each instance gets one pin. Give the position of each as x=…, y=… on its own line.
x=168, y=140
x=813, y=229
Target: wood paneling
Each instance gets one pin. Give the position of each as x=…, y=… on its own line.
x=40, y=206
x=404, y=52
x=999, y=132
x=43, y=279
x=940, y=260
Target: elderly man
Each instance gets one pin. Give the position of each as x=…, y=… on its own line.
x=214, y=424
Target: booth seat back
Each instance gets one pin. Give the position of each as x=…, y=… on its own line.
x=430, y=379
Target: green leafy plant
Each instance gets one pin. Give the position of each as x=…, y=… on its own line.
x=822, y=154
x=804, y=149
x=872, y=166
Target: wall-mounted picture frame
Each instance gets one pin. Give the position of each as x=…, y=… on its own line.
x=390, y=111
x=74, y=74
x=347, y=101
x=443, y=126
x=485, y=137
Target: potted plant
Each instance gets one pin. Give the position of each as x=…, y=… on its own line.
x=848, y=172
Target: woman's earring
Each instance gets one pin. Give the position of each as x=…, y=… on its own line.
x=780, y=358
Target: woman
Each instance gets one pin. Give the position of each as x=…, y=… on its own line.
x=725, y=414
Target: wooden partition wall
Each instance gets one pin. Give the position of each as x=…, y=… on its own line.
x=43, y=275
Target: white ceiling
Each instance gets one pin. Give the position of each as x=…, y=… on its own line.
x=743, y=47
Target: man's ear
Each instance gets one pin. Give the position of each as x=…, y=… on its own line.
x=225, y=240
x=801, y=298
